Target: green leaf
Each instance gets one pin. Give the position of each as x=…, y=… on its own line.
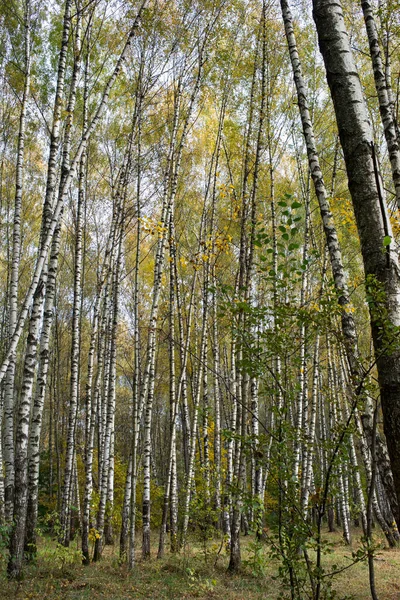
x=387, y=240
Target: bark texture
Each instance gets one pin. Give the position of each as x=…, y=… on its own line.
x=373, y=224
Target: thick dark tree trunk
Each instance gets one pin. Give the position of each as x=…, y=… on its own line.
x=373, y=224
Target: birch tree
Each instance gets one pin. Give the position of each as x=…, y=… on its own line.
x=8, y=452
x=373, y=224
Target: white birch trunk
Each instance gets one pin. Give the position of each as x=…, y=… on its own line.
x=109, y=400
x=385, y=107
x=8, y=447
x=77, y=300
x=21, y=444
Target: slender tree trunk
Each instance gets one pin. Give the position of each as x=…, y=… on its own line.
x=310, y=435
x=109, y=399
x=77, y=300
x=89, y=435
x=8, y=448
x=170, y=487
x=21, y=445
x=38, y=405
x=193, y=440
x=217, y=401
x=136, y=379
x=385, y=108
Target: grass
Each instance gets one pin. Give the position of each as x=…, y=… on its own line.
x=187, y=575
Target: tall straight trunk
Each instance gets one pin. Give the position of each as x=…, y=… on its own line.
x=147, y=391
x=384, y=17
x=77, y=300
x=21, y=444
x=136, y=400
x=135, y=438
x=214, y=330
x=43, y=368
x=35, y=292
x=104, y=383
x=310, y=433
x=136, y=375
x=385, y=108
x=170, y=491
x=227, y=498
x=123, y=538
x=174, y=545
x=277, y=362
x=8, y=448
x=381, y=266
x=217, y=399
x=2, y=503
x=183, y=351
x=108, y=526
x=258, y=474
x=193, y=440
x=90, y=409
x=89, y=434
x=170, y=487
x=40, y=393
x=185, y=417
x=302, y=393
x=239, y=481
x=206, y=283
x=108, y=529
x=101, y=369
x=310, y=423
x=206, y=409
x=357, y=484
x=109, y=399
x=340, y=474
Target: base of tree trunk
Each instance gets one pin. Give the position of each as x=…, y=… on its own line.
x=109, y=535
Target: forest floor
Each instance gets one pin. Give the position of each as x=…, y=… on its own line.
x=59, y=574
